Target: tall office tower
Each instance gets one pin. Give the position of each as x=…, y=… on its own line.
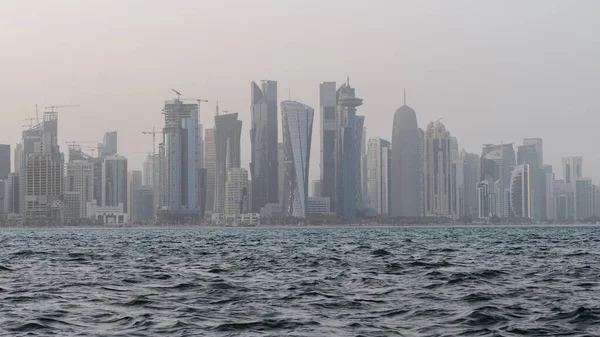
x=458, y=207
x=378, y=175
x=134, y=182
x=347, y=164
x=438, y=170
x=79, y=182
x=281, y=174
x=163, y=196
x=228, y=130
x=202, y=175
x=497, y=162
x=297, y=123
x=263, y=142
x=18, y=157
x=585, y=199
x=12, y=194
x=407, y=169
x=200, y=146
x=43, y=172
x=560, y=200
x=210, y=162
x=472, y=169
x=422, y=201
x=236, y=192
x=538, y=144
x=530, y=155
x=572, y=170
x=361, y=149
x=98, y=164
x=109, y=146
x=4, y=161
x=148, y=168
x=549, y=188
x=328, y=101
x=520, y=192
x=316, y=189
x=114, y=182
x=143, y=205
x=180, y=180
x=486, y=199
x=597, y=206
x=3, y=212
x=364, y=158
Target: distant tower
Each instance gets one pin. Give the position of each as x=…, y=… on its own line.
x=228, y=130
x=439, y=157
x=328, y=102
x=263, y=142
x=520, y=192
x=406, y=164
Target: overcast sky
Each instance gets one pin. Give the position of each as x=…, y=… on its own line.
x=495, y=71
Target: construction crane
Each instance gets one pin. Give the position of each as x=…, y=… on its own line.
x=54, y=107
x=153, y=133
x=177, y=93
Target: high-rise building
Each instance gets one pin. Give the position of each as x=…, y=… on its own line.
x=3, y=212
x=529, y=155
x=134, y=182
x=361, y=146
x=379, y=163
x=560, y=200
x=520, y=191
x=585, y=199
x=439, y=156
x=109, y=146
x=201, y=146
x=18, y=157
x=348, y=159
x=328, y=102
x=180, y=178
x=227, y=134
x=263, y=142
x=472, y=170
x=407, y=170
x=4, y=161
x=572, y=170
x=210, y=162
x=11, y=195
x=42, y=182
x=114, y=182
x=79, y=183
x=143, y=205
x=236, y=192
x=281, y=175
x=297, y=123
x=538, y=144
x=550, y=197
x=497, y=162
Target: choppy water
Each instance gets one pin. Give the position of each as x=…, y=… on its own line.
x=301, y=282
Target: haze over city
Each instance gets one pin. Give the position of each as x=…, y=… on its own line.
x=495, y=71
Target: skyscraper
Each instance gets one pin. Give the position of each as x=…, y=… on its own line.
x=348, y=160
x=210, y=162
x=236, y=192
x=297, y=124
x=4, y=161
x=379, y=160
x=497, y=162
x=180, y=180
x=79, y=182
x=438, y=161
x=538, y=144
x=263, y=141
x=520, y=191
x=134, y=182
x=361, y=147
x=109, y=145
x=585, y=199
x=529, y=154
x=406, y=164
x=227, y=134
x=114, y=182
x=11, y=196
x=42, y=182
x=472, y=169
x=328, y=101
x=143, y=204
x=550, y=198
x=572, y=170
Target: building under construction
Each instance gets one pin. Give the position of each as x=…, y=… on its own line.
x=42, y=173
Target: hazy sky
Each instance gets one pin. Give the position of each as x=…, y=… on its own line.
x=495, y=71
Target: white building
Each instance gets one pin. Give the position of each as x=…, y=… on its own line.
x=236, y=192
x=79, y=184
x=108, y=215
x=441, y=150
x=378, y=175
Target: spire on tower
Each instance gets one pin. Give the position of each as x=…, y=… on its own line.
x=217, y=109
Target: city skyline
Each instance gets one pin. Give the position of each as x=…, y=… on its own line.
x=490, y=73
